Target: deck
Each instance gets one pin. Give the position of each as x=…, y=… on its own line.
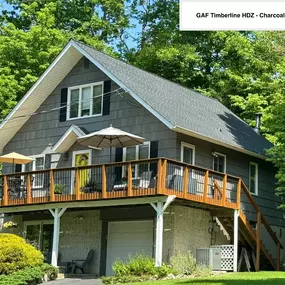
x=142, y=178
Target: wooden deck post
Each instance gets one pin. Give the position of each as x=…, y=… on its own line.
x=278, y=257
x=163, y=178
x=77, y=184
x=130, y=180
x=51, y=186
x=238, y=193
x=206, y=186
x=5, y=198
x=224, y=195
x=104, y=182
x=29, y=189
x=258, y=230
x=159, y=176
x=185, y=181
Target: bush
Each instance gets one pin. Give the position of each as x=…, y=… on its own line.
x=50, y=271
x=16, y=254
x=140, y=265
x=28, y=276
x=184, y=263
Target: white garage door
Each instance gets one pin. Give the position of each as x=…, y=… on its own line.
x=125, y=238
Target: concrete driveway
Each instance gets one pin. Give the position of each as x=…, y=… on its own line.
x=75, y=281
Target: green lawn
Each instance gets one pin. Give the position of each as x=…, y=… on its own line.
x=260, y=278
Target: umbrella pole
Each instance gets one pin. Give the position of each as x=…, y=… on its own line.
x=110, y=150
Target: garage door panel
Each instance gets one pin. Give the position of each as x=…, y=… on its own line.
x=128, y=238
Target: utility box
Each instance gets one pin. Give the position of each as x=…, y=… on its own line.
x=219, y=258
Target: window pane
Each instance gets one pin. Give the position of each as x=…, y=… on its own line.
x=97, y=90
x=252, y=178
x=86, y=101
x=187, y=155
x=143, y=151
x=74, y=103
x=39, y=177
x=39, y=163
x=33, y=235
x=130, y=153
x=219, y=163
x=97, y=105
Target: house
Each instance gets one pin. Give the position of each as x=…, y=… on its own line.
x=200, y=179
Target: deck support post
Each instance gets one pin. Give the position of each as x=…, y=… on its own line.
x=56, y=213
x=236, y=216
x=160, y=207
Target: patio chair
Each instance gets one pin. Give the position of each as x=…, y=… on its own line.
x=144, y=180
x=81, y=264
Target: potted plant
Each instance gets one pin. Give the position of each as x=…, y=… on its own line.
x=90, y=186
x=59, y=189
x=10, y=224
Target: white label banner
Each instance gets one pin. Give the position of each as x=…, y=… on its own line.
x=231, y=15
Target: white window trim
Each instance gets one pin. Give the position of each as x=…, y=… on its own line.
x=188, y=145
x=255, y=193
x=80, y=100
x=137, y=157
x=34, y=168
x=220, y=154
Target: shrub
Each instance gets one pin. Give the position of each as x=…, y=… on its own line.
x=50, y=271
x=59, y=188
x=28, y=276
x=202, y=271
x=16, y=254
x=140, y=265
x=184, y=263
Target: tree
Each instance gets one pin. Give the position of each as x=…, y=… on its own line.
x=32, y=33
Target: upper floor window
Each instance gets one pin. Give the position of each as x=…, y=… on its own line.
x=37, y=164
x=187, y=153
x=85, y=101
x=253, y=178
x=137, y=152
x=219, y=162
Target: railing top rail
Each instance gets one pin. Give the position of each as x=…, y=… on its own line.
x=121, y=163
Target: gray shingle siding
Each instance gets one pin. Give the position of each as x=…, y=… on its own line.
x=41, y=132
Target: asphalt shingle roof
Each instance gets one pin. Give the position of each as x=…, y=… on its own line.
x=183, y=107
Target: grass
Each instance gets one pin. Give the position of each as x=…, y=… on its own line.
x=252, y=278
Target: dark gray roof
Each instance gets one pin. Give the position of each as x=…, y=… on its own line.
x=183, y=107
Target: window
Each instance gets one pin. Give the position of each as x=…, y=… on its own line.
x=85, y=101
x=37, y=164
x=134, y=153
x=219, y=162
x=253, y=178
x=187, y=153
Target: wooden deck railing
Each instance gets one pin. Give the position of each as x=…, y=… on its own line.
x=148, y=177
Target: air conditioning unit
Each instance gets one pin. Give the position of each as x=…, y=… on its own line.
x=219, y=258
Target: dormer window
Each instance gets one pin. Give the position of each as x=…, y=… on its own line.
x=85, y=101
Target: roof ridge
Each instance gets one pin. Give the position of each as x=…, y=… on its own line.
x=153, y=74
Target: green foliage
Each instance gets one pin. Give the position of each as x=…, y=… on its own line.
x=184, y=263
x=140, y=265
x=50, y=271
x=59, y=188
x=202, y=271
x=123, y=279
x=16, y=254
x=27, y=276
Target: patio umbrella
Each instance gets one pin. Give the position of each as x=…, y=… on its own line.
x=15, y=158
x=110, y=137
